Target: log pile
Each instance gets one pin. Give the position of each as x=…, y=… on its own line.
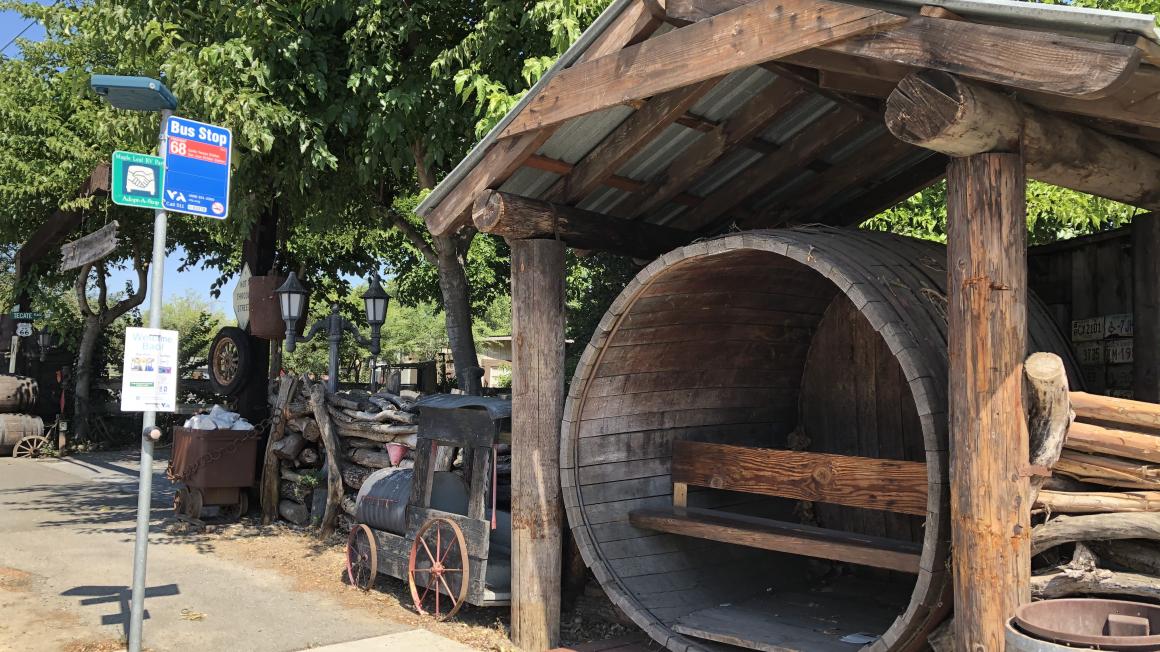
x=323, y=446
x=1098, y=512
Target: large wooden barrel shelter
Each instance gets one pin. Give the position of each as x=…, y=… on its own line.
x=817, y=339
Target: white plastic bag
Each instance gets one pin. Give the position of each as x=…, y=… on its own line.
x=201, y=422
x=242, y=424
x=223, y=417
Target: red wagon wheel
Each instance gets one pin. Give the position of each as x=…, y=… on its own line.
x=362, y=557
x=438, y=569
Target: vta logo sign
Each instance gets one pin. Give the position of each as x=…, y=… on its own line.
x=175, y=195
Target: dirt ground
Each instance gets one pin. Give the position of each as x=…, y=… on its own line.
x=317, y=566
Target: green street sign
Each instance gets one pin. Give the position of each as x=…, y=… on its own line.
x=138, y=179
x=26, y=316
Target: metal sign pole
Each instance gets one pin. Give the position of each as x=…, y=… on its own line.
x=149, y=422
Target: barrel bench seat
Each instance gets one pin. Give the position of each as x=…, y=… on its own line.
x=839, y=479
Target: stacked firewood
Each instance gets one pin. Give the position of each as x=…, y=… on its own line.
x=324, y=445
x=1098, y=513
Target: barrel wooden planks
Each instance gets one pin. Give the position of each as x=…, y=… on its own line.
x=14, y=427
x=17, y=393
x=819, y=339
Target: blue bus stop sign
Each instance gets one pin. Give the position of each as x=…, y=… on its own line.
x=197, y=168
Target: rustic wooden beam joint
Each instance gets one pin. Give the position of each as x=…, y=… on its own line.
x=521, y=218
x=948, y=114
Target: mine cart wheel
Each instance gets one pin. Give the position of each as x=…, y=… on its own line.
x=229, y=360
x=187, y=503
x=239, y=509
x=362, y=557
x=31, y=447
x=438, y=561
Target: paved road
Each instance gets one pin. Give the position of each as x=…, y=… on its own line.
x=66, y=550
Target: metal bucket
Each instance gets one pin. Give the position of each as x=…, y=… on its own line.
x=382, y=500
x=1085, y=624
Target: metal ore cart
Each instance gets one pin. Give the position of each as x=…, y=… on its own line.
x=450, y=545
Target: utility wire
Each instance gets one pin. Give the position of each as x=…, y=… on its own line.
x=13, y=39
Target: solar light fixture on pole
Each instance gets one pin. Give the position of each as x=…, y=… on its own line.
x=292, y=300
x=143, y=94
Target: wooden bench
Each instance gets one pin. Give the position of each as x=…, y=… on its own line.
x=864, y=482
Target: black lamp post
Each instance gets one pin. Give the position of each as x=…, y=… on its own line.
x=292, y=300
x=45, y=342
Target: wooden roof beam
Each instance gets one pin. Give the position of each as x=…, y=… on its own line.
x=743, y=126
x=640, y=128
x=562, y=168
x=888, y=193
x=745, y=36
x=952, y=116
x=1033, y=61
x=884, y=151
x=520, y=218
x=636, y=23
x=799, y=152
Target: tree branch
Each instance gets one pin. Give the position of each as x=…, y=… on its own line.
x=102, y=288
x=133, y=300
x=81, y=288
x=412, y=234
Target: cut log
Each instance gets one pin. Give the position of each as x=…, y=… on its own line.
x=347, y=402
x=299, y=493
x=1110, y=471
x=1095, y=527
x=376, y=459
x=1121, y=443
x=359, y=442
x=306, y=426
x=289, y=446
x=404, y=438
x=382, y=416
x=1137, y=556
x=1048, y=414
x=287, y=474
x=1108, y=409
x=1067, y=502
x=308, y=457
x=1098, y=582
x=354, y=475
x=951, y=115
x=287, y=389
x=348, y=504
x=394, y=398
x=333, y=453
x=296, y=513
x=520, y=218
x=298, y=409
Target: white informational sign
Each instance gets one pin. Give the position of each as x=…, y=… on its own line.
x=242, y=298
x=24, y=329
x=149, y=375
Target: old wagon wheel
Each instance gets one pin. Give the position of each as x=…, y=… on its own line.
x=362, y=557
x=229, y=360
x=438, y=569
x=31, y=446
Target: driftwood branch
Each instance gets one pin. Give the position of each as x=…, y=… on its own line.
x=333, y=453
x=1094, y=527
x=1100, y=582
x=1097, y=502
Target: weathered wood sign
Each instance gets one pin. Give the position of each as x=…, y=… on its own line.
x=242, y=298
x=90, y=248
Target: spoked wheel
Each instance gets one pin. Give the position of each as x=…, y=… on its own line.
x=438, y=569
x=32, y=446
x=362, y=557
x=187, y=503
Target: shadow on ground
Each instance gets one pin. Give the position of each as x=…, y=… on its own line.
x=120, y=595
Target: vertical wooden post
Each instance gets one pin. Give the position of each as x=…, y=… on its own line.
x=987, y=313
x=1146, y=307
x=537, y=408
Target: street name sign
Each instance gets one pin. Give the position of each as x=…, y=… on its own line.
x=26, y=316
x=197, y=168
x=138, y=179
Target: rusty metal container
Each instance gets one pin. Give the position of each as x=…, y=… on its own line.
x=228, y=457
x=265, y=313
x=1086, y=624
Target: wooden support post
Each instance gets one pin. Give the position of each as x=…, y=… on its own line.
x=1146, y=307
x=987, y=314
x=537, y=408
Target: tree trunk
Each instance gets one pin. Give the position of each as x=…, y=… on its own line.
x=456, y=305
x=84, y=377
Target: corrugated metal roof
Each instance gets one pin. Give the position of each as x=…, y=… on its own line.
x=576, y=138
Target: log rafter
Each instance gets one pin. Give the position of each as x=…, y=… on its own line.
x=638, y=21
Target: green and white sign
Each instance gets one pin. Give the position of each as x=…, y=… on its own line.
x=138, y=179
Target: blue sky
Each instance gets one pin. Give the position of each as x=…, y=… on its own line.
x=11, y=24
